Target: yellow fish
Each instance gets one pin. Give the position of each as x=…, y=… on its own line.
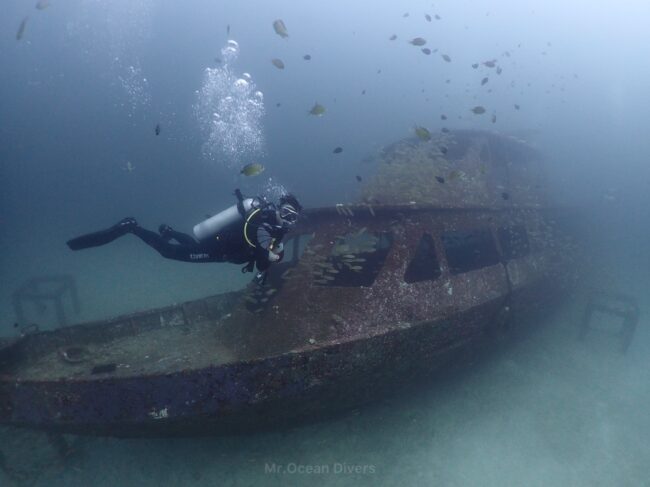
x=422, y=133
x=252, y=169
x=317, y=110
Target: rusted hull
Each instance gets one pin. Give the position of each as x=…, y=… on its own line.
x=260, y=393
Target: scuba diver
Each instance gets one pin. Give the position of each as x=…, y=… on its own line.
x=250, y=232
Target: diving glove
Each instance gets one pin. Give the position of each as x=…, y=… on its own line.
x=260, y=278
x=276, y=253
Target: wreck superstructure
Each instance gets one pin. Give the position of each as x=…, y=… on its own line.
x=368, y=294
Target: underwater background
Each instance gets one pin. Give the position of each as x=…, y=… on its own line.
x=149, y=109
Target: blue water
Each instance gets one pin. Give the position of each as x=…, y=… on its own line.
x=80, y=96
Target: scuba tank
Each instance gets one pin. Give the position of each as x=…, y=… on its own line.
x=215, y=224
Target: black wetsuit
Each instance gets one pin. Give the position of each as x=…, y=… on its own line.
x=230, y=245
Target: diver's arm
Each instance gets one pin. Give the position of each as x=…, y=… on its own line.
x=268, y=251
x=264, y=238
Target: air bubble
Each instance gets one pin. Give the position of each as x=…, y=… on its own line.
x=230, y=110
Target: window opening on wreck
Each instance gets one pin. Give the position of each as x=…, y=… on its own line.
x=355, y=260
x=425, y=265
x=469, y=250
x=257, y=298
x=514, y=241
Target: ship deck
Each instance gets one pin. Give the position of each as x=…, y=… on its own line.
x=153, y=352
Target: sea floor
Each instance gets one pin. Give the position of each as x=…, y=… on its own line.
x=546, y=410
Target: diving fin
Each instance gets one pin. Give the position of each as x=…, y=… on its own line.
x=103, y=237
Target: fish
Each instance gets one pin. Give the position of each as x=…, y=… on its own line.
x=422, y=133
x=490, y=64
x=21, y=29
x=217, y=60
x=252, y=169
x=494, y=119
x=444, y=130
x=406, y=14
x=418, y=41
x=338, y=150
x=478, y=110
x=505, y=196
x=453, y=175
x=157, y=129
x=278, y=104
x=516, y=107
x=499, y=70
x=307, y=57
x=440, y=179
x=277, y=63
x=358, y=178
x=428, y=17
x=393, y=37
x=317, y=110
x=280, y=29
x=443, y=149
x=363, y=92
x=446, y=58
x=437, y=17
x=484, y=81
x=475, y=65
x=42, y=4
x=379, y=71
x=129, y=167
x=228, y=29
x=426, y=50
x=443, y=117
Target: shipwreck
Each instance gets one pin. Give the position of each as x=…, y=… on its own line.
x=451, y=245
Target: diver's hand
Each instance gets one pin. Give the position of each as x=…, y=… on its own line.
x=273, y=257
x=260, y=278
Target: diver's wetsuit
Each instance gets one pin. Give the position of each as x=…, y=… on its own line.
x=229, y=245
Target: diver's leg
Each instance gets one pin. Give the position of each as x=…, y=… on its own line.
x=185, y=253
x=168, y=233
x=103, y=237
